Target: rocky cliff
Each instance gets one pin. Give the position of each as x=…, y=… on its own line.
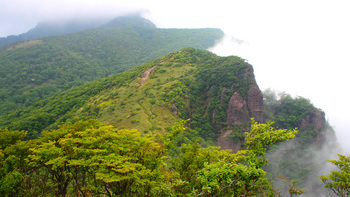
x=316, y=122
x=240, y=110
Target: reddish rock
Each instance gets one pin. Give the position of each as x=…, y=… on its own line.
x=237, y=111
x=255, y=103
x=241, y=110
x=316, y=120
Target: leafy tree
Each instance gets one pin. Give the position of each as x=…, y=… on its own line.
x=97, y=159
x=213, y=172
x=292, y=189
x=338, y=182
x=91, y=158
x=13, y=168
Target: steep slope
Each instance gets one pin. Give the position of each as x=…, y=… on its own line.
x=33, y=70
x=191, y=83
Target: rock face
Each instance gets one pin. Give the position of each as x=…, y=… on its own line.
x=240, y=110
x=255, y=102
x=315, y=120
x=237, y=112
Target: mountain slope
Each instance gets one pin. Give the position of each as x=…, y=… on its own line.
x=33, y=70
x=191, y=83
x=218, y=94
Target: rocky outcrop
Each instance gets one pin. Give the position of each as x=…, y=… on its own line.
x=237, y=111
x=315, y=121
x=240, y=110
x=255, y=103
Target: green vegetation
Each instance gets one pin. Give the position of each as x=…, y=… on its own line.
x=177, y=82
x=34, y=70
x=89, y=158
x=189, y=84
x=338, y=182
x=294, y=159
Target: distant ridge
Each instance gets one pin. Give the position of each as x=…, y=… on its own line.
x=53, y=28
x=132, y=20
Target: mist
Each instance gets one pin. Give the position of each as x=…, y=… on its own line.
x=313, y=159
x=317, y=78
x=18, y=16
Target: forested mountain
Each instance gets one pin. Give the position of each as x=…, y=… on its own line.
x=217, y=95
x=36, y=69
x=185, y=84
x=53, y=28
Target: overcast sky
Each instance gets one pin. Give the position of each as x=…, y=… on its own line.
x=300, y=47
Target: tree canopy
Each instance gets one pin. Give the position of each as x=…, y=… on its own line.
x=92, y=158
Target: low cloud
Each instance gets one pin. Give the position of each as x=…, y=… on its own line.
x=312, y=159
x=18, y=16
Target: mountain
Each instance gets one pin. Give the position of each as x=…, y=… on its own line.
x=219, y=96
x=33, y=70
x=53, y=28
x=190, y=83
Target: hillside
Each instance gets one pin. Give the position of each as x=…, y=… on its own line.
x=181, y=85
x=218, y=94
x=33, y=70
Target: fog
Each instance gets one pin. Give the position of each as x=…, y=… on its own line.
x=299, y=47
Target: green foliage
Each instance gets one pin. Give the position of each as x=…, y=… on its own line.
x=13, y=170
x=203, y=93
x=89, y=158
x=262, y=135
x=292, y=189
x=93, y=158
x=289, y=159
x=52, y=111
x=177, y=84
x=214, y=172
x=338, y=182
x=34, y=70
x=286, y=111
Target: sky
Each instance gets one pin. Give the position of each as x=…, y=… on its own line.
x=300, y=47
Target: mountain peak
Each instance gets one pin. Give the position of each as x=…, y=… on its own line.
x=132, y=20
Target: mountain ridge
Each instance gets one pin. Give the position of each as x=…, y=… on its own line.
x=53, y=28
x=33, y=70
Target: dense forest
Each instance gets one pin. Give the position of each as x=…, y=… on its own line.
x=89, y=158
x=33, y=70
